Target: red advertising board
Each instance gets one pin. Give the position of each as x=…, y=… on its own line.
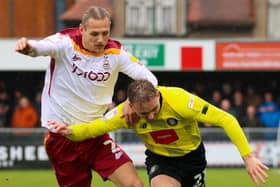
x=248, y=56
x=191, y=58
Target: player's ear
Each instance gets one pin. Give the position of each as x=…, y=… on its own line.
x=157, y=94
x=81, y=27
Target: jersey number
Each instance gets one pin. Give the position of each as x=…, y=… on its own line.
x=114, y=148
x=199, y=179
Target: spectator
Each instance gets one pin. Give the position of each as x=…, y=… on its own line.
x=216, y=98
x=17, y=95
x=37, y=106
x=6, y=107
x=239, y=105
x=3, y=114
x=3, y=85
x=24, y=115
x=252, y=97
x=269, y=111
x=251, y=119
x=226, y=106
x=227, y=91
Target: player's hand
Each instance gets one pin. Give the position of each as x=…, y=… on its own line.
x=130, y=116
x=255, y=169
x=22, y=46
x=60, y=128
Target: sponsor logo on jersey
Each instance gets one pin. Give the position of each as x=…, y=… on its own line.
x=76, y=58
x=154, y=169
x=109, y=115
x=91, y=75
x=191, y=102
x=172, y=121
x=164, y=136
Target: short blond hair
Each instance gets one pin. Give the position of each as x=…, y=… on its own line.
x=95, y=12
x=141, y=91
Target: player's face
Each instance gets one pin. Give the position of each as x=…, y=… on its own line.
x=95, y=34
x=149, y=109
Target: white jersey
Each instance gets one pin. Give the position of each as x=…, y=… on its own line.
x=79, y=84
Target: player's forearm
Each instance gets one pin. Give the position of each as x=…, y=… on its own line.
x=41, y=48
x=93, y=129
x=236, y=134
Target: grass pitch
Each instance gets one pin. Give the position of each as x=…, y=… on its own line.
x=214, y=178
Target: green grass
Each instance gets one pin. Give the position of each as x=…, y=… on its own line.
x=215, y=178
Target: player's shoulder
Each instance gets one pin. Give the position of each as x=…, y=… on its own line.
x=73, y=33
x=112, y=43
x=172, y=91
x=176, y=97
x=113, y=47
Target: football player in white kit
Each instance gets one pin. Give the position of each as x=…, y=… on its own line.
x=79, y=85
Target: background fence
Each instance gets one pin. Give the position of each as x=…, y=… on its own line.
x=23, y=148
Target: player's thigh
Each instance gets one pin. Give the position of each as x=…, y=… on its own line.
x=73, y=174
x=126, y=175
x=70, y=170
x=109, y=157
x=164, y=180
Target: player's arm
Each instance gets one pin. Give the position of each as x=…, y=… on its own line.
x=207, y=113
x=24, y=47
x=132, y=67
x=46, y=47
x=109, y=122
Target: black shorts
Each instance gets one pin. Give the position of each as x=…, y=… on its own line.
x=189, y=170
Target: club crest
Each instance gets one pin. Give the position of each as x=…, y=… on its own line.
x=172, y=121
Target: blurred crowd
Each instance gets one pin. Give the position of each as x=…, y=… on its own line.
x=253, y=107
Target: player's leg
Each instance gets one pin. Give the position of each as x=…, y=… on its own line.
x=161, y=171
x=164, y=181
x=113, y=163
x=185, y=171
x=126, y=175
x=70, y=171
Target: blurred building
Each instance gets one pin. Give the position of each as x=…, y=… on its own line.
x=148, y=18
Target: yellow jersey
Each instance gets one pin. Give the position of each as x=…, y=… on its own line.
x=175, y=132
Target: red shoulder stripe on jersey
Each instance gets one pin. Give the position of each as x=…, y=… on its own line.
x=74, y=34
x=113, y=44
x=86, y=52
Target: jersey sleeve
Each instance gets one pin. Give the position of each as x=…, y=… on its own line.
x=131, y=66
x=49, y=46
x=111, y=121
x=193, y=107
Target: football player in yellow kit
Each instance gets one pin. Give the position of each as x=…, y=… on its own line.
x=169, y=128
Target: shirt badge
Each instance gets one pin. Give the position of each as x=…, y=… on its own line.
x=106, y=64
x=109, y=115
x=172, y=121
x=144, y=126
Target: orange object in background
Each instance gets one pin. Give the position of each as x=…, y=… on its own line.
x=248, y=55
x=24, y=115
